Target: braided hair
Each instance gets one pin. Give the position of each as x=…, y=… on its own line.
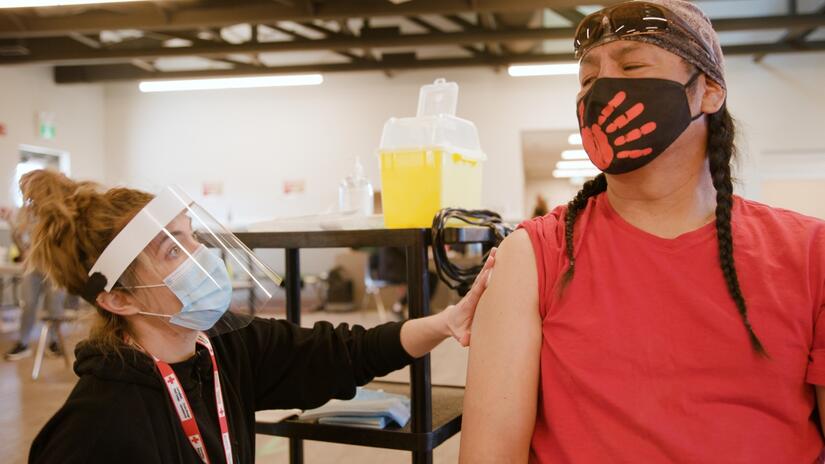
x=721, y=151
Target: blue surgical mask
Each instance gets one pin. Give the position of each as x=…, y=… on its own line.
x=205, y=292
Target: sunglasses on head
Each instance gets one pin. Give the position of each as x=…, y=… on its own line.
x=626, y=19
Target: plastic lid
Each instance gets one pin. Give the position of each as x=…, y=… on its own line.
x=446, y=132
x=436, y=125
x=440, y=97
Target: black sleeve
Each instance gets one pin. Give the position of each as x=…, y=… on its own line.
x=304, y=368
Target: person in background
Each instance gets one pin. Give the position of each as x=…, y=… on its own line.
x=541, y=208
x=657, y=318
x=33, y=290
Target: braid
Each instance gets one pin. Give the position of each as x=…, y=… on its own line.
x=579, y=202
x=721, y=150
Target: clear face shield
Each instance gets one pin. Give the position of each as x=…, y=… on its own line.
x=175, y=261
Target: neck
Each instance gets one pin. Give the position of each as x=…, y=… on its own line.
x=669, y=197
x=165, y=342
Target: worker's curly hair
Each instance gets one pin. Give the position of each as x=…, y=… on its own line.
x=70, y=223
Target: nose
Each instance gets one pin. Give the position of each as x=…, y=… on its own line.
x=600, y=64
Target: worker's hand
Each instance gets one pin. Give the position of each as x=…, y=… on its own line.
x=460, y=315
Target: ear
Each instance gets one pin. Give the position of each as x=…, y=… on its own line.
x=714, y=96
x=117, y=302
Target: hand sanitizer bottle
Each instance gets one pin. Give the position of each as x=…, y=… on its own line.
x=355, y=192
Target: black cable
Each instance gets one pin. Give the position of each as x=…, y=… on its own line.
x=456, y=277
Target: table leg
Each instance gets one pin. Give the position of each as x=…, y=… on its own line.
x=41, y=350
x=293, y=285
x=296, y=451
x=293, y=314
x=418, y=293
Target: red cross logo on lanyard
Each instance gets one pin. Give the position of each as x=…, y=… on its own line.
x=184, y=410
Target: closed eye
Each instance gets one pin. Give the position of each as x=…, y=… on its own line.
x=632, y=67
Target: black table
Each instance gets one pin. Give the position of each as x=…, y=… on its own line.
x=426, y=430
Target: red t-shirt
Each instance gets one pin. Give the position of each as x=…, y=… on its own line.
x=645, y=358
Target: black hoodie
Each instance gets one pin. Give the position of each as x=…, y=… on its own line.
x=119, y=411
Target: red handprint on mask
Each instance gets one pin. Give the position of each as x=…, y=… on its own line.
x=596, y=142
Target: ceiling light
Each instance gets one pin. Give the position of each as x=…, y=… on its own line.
x=231, y=83
x=577, y=164
x=176, y=43
x=574, y=155
x=571, y=173
x=550, y=69
x=43, y=3
x=574, y=139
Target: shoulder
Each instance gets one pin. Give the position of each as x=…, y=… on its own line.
x=516, y=269
x=541, y=240
x=547, y=229
x=548, y=232
x=260, y=331
x=777, y=224
x=517, y=244
x=100, y=417
x=787, y=239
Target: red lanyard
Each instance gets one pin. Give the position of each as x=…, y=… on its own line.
x=187, y=418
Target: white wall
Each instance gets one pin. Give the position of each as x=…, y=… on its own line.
x=79, y=119
x=780, y=106
x=253, y=140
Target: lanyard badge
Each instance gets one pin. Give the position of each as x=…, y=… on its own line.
x=184, y=410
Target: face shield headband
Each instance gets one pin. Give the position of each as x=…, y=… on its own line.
x=151, y=222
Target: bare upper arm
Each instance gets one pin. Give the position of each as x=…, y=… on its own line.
x=503, y=375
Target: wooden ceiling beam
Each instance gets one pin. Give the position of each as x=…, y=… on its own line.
x=58, y=52
x=140, y=16
x=121, y=72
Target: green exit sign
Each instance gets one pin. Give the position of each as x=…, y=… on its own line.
x=47, y=131
x=46, y=128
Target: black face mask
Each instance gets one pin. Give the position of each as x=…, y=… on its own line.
x=626, y=123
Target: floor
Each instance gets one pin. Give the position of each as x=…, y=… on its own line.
x=28, y=404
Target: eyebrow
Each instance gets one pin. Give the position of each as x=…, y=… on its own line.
x=588, y=59
x=620, y=53
x=165, y=237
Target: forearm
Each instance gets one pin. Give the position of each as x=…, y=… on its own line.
x=419, y=336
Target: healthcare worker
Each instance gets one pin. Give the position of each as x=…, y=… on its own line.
x=658, y=317
x=168, y=374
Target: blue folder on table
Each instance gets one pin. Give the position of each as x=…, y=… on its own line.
x=374, y=409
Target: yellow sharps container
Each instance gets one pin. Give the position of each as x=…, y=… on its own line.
x=429, y=162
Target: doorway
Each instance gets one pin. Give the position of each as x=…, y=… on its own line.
x=33, y=158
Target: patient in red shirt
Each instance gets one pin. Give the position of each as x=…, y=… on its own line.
x=656, y=318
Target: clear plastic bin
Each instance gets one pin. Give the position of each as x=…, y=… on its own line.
x=429, y=162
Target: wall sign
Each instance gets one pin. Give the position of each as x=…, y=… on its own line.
x=294, y=186
x=46, y=128
x=212, y=188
